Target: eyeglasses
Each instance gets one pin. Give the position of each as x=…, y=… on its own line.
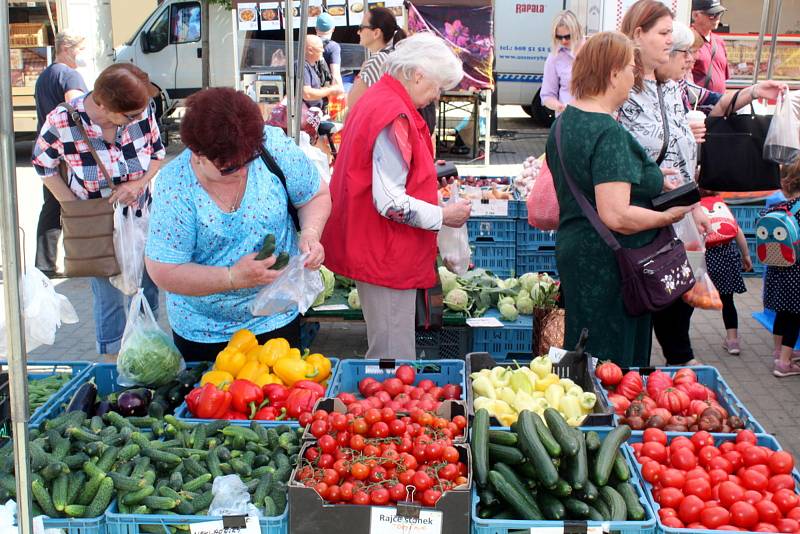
x=715, y=16
x=131, y=116
x=366, y=27
x=236, y=168
x=566, y=37
x=686, y=52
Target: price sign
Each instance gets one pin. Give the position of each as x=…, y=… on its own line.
x=489, y=208
x=331, y=307
x=571, y=529
x=556, y=354
x=222, y=526
x=386, y=521
x=484, y=322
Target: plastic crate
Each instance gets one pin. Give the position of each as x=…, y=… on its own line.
x=710, y=377
x=497, y=258
x=542, y=260
x=758, y=267
x=351, y=372
x=504, y=526
x=117, y=523
x=449, y=342
x=518, y=209
x=513, y=340
x=530, y=238
x=761, y=439
x=492, y=230
x=94, y=525
x=746, y=217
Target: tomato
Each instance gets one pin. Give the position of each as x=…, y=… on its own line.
x=325, y=460
x=683, y=458
x=319, y=428
x=667, y=512
x=781, y=463
x=726, y=446
x=406, y=477
x=730, y=493
x=701, y=439
x=686, y=375
x=753, y=497
x=655, y=450
x=690, y=508
x=743, y=446
x=735, y=458
x=743, y=514
x=786, y=500
x=794, y=513
x=695, y=392
x=430, y=497
x=631, y=385
x=654, y=434
x=717, y=476
x=670, y=497
x=697, y=472
x=657, y=382
x=672, y=478
x=359, y=471
x=720, y=462
x=765, y=527
x=672, y=522
x=360, y=426
x=681, y=442
x=328, y=444
x=698, y=486
x=754, y=480
x=379, y=430
x=714, y=516
x=651, y=471
x=426, y=385
x=788, y=525
x=754, y=455
x=746, y=435
x=728, y=527
x=609, y=373
x=761, y=468
x=433, y=452
x=706, y=454
x=450, y=454
x=768, y=511
x=422, y=481
x=379, y=496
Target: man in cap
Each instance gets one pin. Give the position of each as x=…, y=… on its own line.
x=710, y=69
x=332, y=52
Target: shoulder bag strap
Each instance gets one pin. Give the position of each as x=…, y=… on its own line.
x=273, y=166
x=664, y=121
x=707, y=81
x=586, y=207
x=76, y=118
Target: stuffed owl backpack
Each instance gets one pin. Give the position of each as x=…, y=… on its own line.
x=778, y=237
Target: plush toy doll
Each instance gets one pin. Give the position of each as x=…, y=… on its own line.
x=723, y=225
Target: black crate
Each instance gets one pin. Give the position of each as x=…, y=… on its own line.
x=447, y=343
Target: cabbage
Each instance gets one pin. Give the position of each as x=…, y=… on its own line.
x=449, y=280
x=524, y=303
x=457, y=300
x=353, y=300
x=328, y=280
x=148, y=358
x=508, y=312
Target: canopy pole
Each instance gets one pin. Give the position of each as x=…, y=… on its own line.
x=9, y=223
x=301, y=60
x=774, y=44
x=760, y=43
x=288, y=12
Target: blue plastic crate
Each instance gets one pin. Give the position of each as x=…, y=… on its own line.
x=504, y=526
x=95, y=525
x=542, y=260
x=746, y=217
x=710, y=377
x=497, y=258
x=530, y=238
x=513, y=340
x=117, y=523
x=518, y=209
x=492, y=230
x=42, y=369
x=767, y=319
x=758, y=267
x=761, y=439
x=441, y=372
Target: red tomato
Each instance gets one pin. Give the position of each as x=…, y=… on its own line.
x=706, y=454
x=746, y=435
x=620, y=403
x=681, y=442
x=728, y=527
x=701, y=439
x=672, y=478
x=663, y=513
x=730, y=493
x=695, y=391
x=753, y=497
x=672, y=522
x=674, y=400
x=794, y=513
x=726, y=446
x=431, y=497
x=754, y=480
x=406, y=374
x=768, y=511
x=720, y=462
x=670, y=497
x=744, y=514
x=631, y=385
x=743, y=446
x=754, y=455
x=683, y=458
x=609, y=373
x=654, y=434
x=735, y=458
x=379, y=430
x=761, y=468
x=690, y=508
x=781, y=463
x=686, y=375
x=788, y=525
x=699, y=487
x=765, y=527
x=714, y=516
x=651, y=471
x=422, y=481
x=657, y=382
x=379, y=496
x=697, y=472
x=786, y=500
x=655, y=450
x=426, y=385
x=717, y=476
x=450, y=454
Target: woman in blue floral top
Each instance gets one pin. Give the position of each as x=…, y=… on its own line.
x=214, y=204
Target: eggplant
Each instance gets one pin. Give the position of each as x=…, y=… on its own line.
x=103, y=407
x=134, y=402
x=84, y=399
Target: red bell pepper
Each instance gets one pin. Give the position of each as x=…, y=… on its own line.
x=311, y=385
x=212, y=402
x=300, y=401
x=233, y=415
x=270, y=413
x=192, y=399
x=276, y=394
x=246, y=397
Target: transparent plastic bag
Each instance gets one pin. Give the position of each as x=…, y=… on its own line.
x=704, y=294
x=148, y=357
x=295, y=289
x=231, y=498
x=454, y=242
x=693, y=242
x=782, y=144
x=130, y=237
x=317, y=157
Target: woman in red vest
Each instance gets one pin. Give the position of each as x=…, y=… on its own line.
x=382, y=230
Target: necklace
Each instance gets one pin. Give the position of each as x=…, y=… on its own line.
x=227, y=207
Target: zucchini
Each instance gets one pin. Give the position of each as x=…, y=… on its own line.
x=576, y=470
x=510, y=495
x=603, y=508
x=511, y=478
x=551, y=506
x=575, y=508
x=604, y=461
x=546, y=437
x=562, y=489
x=595, y=515
x=480, y=446
x=620, y=468
x=615, y=503
x=502, y=437
x=488, y=497
x=505, y=454
x=101, y=499
x=561, y=431
x=588, y=493
x=532, y=447
x=526, y=470
x=592, y=439
x=632, y=505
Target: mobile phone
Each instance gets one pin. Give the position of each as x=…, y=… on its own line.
x=685, y=195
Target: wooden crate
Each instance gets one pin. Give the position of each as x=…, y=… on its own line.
x=28, y=34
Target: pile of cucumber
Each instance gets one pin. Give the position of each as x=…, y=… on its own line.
x=545, y=470
x=151, y=466
x=40, y=391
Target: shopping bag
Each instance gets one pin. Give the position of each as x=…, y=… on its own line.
x=130, y=237
x=454, y=242
x=542, y=202
x=703, y=295
x=148, y=357
x=295, y=289
x=686, y=230
x=783, y=138
x=317, y=157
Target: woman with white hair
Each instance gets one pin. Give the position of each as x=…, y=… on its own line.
x=382, y=229
x=567, y=38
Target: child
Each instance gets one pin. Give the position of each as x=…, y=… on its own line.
x=724, y=264
x=782, y=287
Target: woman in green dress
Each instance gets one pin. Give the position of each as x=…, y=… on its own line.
x=619, y=179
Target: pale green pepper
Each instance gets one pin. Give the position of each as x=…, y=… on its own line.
x=501, y=377
x=566, y=383
x=497, y=409
x=519, y=382
x=506, y=395
x=575, y=391
x=570, y=407
x=523, y=401
x=576, y=421
x=482, y=387
x=542, y=366
x=587, y=402
x=553, y=394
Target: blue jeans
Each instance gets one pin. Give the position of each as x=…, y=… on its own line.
x=110, y=310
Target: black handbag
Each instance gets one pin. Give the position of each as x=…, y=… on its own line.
x=732, y=154
x=651, y=277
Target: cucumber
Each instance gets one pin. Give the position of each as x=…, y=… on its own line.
x=128, y=452
x=123, y=483
x=101, y=499
x=264, y=487
x=503, y=453
x=107, y=459
x=278, y=495
x=575, y=508
x=562, y=489
x=270, y=508
x=511, y=478
x=632, y=505
x=595, y=515
x=480, y=446
x=588, y=493
x=193, y=467
x=531, y=446
x=561, y=431
x=162, y=456
x=511, y=496
x=240, y=432
x=615, y=503
x=75, y=510
x=54, y=470
x=501, y=437
x=603, y=508
x=197, y=483
x=176, y=480
x=202, y=502
x=576, y=470
x=592, y=439
x=88, y=492
x=39, y=458
x=551, y=506
x=137, y=497
x=77, y=479
x=604, y=461
x=620, y=468
x=159, y=503
x=60, y=490
x=488, y=497
x=43, y=498
x=546, y=437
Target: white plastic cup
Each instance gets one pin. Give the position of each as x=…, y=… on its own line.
x=694, y=116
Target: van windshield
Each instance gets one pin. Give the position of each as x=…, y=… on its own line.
x=130, y=41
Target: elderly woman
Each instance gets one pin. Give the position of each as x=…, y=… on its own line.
x=214, y=205
x=123, y=131
x=382, y=231
x=620, y=180
x=567, y=38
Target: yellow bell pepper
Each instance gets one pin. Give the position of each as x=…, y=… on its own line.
x=244, y=340
x=257, y=353
x=273, y=350
x=292, y=370
x=216, y=377
x=231, y=360
x=322, y=366
x=255, y=372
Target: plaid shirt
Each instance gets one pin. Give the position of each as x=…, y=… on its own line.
x=128, y=158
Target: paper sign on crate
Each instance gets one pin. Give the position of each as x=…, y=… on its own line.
x=489, y=207
x=217, y=527
x=484, y=322
x=384, y=520
x=562, y=530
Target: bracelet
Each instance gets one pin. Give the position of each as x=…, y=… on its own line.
x=753, y=95
x=230, y=278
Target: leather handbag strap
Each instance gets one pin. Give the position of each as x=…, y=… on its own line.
x=273, y=166
x=707, y=81
x=664, y=121
x=76, y=118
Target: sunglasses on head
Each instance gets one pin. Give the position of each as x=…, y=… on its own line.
x=366, y=27
x=236, y=168
x=566, y=37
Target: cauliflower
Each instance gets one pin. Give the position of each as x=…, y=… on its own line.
x=353, y=300
x=457, y=300
x=449, y=280
x=508, y=311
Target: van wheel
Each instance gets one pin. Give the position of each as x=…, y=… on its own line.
x=540, y=114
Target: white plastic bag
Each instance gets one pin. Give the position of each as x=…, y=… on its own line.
x=454, y=242
x=148, y=357
x=782, y=144
x=231, y=498
x=130, y=237
x=295, y=289
x=317, y=157
x=694, y=243
x=43, y=311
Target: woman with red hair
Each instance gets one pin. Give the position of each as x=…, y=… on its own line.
x=213, y=207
